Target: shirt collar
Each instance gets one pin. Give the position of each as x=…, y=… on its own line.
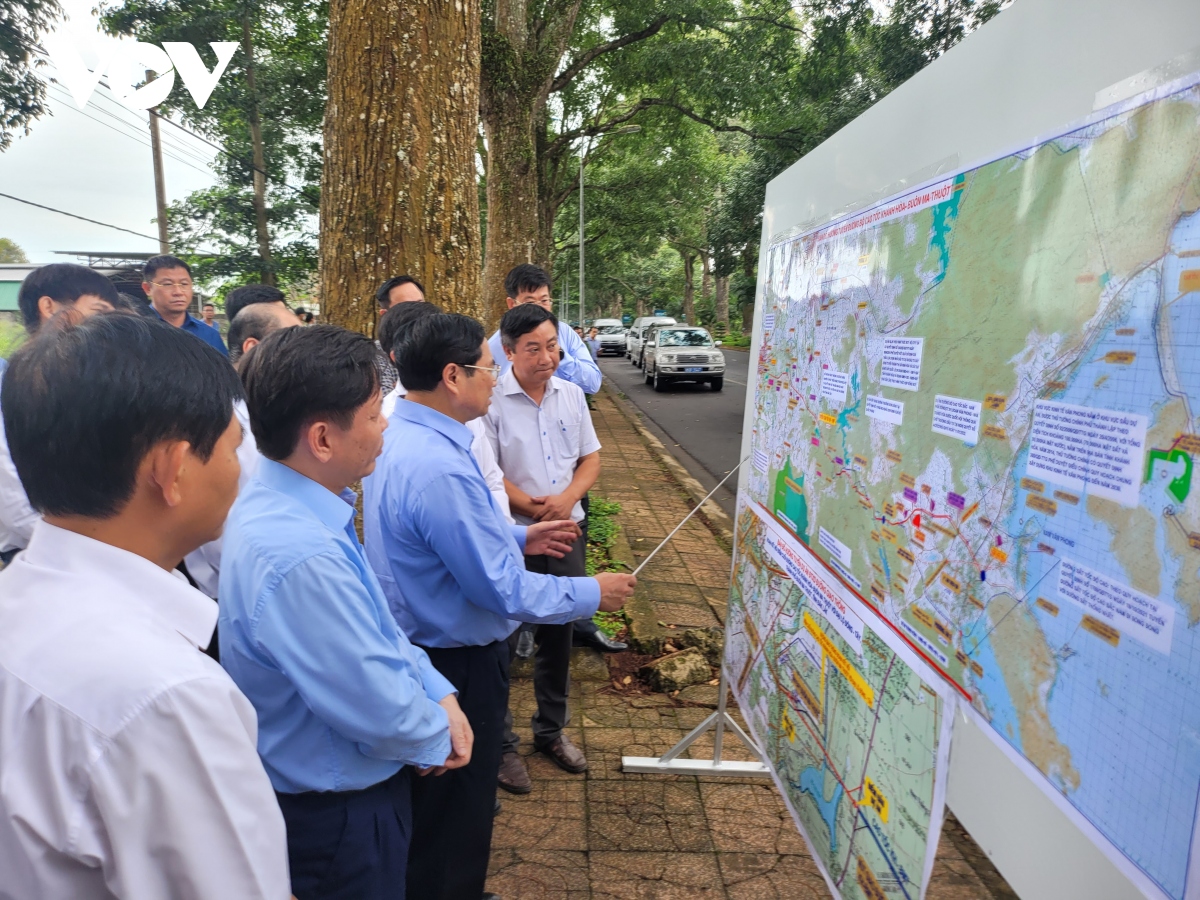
x=166, y=597
x=335, y=511
x=419, y=414
x=188, y=320
x=508, y=385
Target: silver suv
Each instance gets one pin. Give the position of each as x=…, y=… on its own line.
x=683, y=353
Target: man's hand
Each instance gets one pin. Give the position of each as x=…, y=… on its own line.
x=615, y=589
x=555, y=506
x=551, y=538
x=462, y=739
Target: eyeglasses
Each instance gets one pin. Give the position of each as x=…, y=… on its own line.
x=495, y=370
x=170, y=285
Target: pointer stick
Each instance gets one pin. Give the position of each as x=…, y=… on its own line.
x=685, y=518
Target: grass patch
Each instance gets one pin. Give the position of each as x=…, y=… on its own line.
x=736, y=340
x=602, y=533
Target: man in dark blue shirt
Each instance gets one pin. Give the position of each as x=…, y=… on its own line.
x=167, y=281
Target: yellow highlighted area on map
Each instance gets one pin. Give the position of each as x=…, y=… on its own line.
x=842, y=664
x=874, y=798
x=1189, y=280
x=866, y=880
x=827, y=419
x=788, y=728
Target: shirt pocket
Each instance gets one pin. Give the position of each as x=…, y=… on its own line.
x=564, y=437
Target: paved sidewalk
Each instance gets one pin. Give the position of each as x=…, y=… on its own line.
x=606, y=834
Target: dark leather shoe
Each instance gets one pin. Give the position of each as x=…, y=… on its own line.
x=566, y=755
x=514, y=777
x=601, y=641
x=491, y=896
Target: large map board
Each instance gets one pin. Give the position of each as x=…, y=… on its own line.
x=978, y=404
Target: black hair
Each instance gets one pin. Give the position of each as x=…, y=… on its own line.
x=210, y=303
x=166, y=261
x=298, y=375
x=84, y=403
x=385, y=289
x=253, y=321
x=246, y=295
x=522, y=319
x=525, y=278
x=136, y=304
x=397, y=320
x=432, y=343
x=63, y=283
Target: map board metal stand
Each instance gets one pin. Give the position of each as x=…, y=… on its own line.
x=670, y=763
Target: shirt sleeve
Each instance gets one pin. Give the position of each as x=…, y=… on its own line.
x=180, y=805
x=17, y=517
x=350, y=673
x=437, y=685
x=577, y=365
x=483, y=559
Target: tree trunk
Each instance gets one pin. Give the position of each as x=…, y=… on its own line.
x=689, y=287
x=399, y=192
x=267, y=274
x=705, y=279
x=722, y=304
x=641, y=307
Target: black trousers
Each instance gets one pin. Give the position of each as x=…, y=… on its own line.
x=350, y=845
x=452, y=813
x=551, y=661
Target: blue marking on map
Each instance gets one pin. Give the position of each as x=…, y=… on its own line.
x=812, y=781
x=944, y=215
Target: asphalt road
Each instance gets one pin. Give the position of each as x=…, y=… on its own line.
x=702, y=428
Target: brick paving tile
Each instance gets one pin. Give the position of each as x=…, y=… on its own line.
x=608, y=835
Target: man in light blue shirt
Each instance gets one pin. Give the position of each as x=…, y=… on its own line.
x=528, y=283
x=454, y=575
x=345, y=703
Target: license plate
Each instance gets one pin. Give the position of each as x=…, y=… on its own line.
x=694, y=369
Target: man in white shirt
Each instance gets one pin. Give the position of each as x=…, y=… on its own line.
x=542, y=435
x=45, y=292
x=129, y=766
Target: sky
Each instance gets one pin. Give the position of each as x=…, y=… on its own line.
x=93, y=162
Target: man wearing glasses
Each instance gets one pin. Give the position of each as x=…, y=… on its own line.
x=167, y=281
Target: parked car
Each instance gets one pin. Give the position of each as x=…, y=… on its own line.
x=633, y=340
x=611, y=335
x=683, y=353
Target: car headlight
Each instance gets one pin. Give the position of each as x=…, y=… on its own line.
x=716, y=358
x=668, y=357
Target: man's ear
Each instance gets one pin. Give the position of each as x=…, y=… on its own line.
x=249, y=344
x=316, y=438
x=46, y=308
x=511, y=301
x=509, y=353
x=162, y=467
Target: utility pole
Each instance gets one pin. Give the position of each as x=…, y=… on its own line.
x=160, y=182
x=582, y=161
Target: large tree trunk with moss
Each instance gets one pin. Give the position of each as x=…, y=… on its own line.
x=689, y=286
x=521, y=55
x=721, y=301
x=399, y=193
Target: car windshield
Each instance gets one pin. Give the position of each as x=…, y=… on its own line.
x=684, y=339
x=612, y=329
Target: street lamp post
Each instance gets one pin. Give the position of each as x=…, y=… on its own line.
x=628, y=129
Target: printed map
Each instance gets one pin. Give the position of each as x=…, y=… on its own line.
x=979, y=406
x=857, y=737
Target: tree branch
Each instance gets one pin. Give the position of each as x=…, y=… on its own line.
x=585, y=59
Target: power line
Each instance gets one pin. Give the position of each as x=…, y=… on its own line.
x=133, y=137
x=82, y=218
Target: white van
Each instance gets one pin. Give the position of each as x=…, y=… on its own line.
x=611, y=335
x=637, y=331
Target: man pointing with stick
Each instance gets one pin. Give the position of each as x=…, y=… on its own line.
x=454, y=574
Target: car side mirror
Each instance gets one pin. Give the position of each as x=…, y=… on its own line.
x=649, y=343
